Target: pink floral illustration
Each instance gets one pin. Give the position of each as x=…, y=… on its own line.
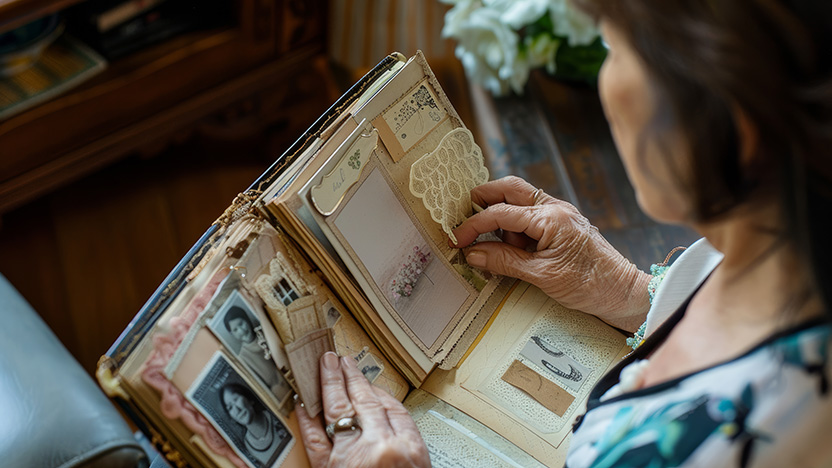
x=405, y=280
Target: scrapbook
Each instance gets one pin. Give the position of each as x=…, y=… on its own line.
x=342, y=245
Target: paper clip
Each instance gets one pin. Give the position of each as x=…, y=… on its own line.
x=368, y=135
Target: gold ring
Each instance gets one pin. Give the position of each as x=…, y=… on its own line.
x=536, y=197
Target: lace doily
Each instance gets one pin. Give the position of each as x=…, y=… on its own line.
x=443, y=179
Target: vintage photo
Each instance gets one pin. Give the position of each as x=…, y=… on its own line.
x=237, y=327
x=421, y=289
x=257, y=434
x=332, y=314
x=370, y=367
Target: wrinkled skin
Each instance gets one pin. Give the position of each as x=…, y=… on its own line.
x=549, y=244
x=388, y=436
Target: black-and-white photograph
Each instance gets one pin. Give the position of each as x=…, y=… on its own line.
x=425, y=292
x=237, y=327
x=257, y=434
x=370, y=367
x=332, y=314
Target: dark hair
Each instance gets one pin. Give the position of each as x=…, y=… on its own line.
x=769, y=60
x=240, y=390
x=235, y=312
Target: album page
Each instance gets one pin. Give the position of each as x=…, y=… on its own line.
x=455, y=439
x=250, y=327
x=387, y=200
x=530, y=372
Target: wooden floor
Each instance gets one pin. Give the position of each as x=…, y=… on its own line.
x=88, y=256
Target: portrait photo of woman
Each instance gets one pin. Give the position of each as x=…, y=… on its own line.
x=222, y=395
x=265, y=435
x=238, y=328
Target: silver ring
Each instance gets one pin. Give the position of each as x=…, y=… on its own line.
x=348, y=424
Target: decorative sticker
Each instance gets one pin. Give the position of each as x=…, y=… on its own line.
x=328, y=194
x=562, y=367
x=410, y=119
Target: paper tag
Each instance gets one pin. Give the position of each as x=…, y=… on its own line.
x=304, y=316
x=304, y=356
x=543, y=390
x=562, y=367
x=410, y=119
x=328, y=194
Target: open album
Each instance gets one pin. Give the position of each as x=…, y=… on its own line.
x=342, y=245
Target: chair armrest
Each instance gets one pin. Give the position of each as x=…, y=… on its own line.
x=53, y=414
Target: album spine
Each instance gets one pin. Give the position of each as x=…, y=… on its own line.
x=143, y=322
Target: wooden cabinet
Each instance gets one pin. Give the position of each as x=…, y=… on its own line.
x=266, y=66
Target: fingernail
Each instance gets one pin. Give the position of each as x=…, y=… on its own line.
x=331, y=361
x=348, y=361
x=476, y=258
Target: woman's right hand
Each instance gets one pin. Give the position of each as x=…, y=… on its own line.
x=571, y=261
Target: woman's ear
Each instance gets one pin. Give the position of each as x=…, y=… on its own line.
x=747, y=135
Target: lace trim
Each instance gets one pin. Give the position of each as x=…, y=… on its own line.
x=443, y=179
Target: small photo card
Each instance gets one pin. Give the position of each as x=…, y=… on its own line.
x=331, y=313
x=370, y=367
x=236, y=326
x=410, y=119
x=258, y=435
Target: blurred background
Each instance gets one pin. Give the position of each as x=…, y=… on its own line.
x=128, y=126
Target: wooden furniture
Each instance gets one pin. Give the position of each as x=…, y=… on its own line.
x=264, y=70
x=556, y=137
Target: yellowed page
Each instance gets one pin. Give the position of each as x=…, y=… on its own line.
x=477, y=388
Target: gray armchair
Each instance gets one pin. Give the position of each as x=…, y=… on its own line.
x=52, y=414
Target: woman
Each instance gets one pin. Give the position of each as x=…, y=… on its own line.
x=237, y=323
x=265, y=435
x=721, y=112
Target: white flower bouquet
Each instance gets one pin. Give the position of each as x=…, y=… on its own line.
x=500, y=41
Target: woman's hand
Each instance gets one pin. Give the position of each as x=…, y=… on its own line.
x=571, y=261
x=388, y=436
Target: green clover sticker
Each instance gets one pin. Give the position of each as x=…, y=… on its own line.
x=355, y=163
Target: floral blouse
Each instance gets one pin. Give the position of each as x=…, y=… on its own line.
x=770, y=407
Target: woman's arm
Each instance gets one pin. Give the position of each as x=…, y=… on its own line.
x=569, y=259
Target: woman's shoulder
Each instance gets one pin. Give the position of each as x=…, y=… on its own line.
x=761, y=409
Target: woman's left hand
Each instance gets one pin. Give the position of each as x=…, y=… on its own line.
x=388, y=436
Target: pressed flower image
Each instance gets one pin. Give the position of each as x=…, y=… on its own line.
x=404, y=282
x=417, y=285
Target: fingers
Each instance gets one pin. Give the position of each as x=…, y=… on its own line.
x=518, y=219
x=315, y=440
x=512, y=190
x=336, y=402
x=504, y=259
x=364, y=399
x=519, y=240
x=403, y=425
